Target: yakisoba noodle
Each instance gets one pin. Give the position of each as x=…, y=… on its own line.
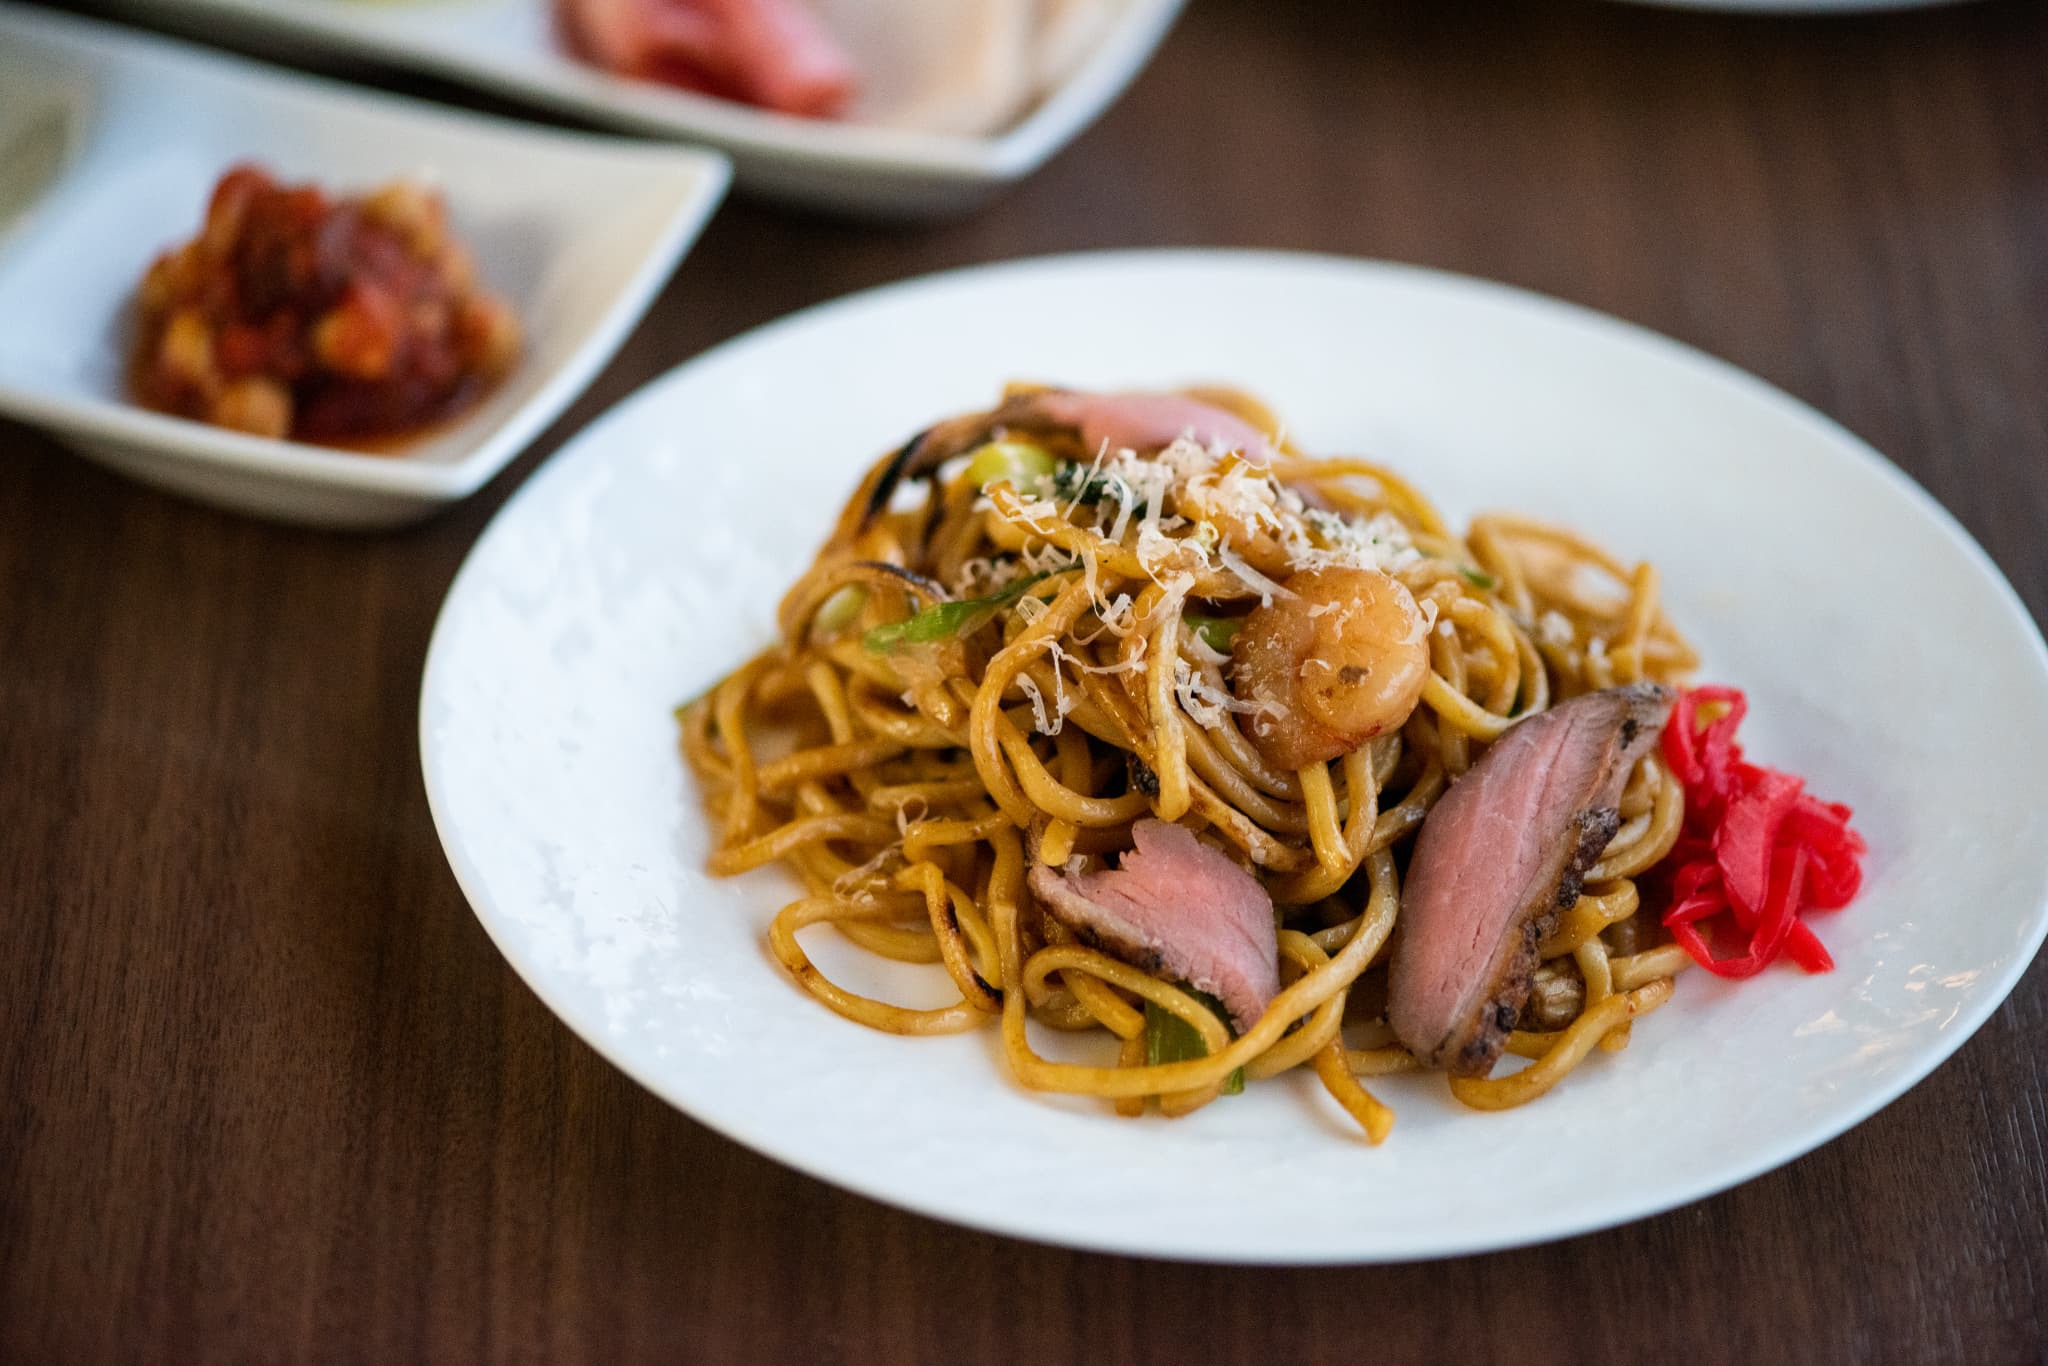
x=1014, y=655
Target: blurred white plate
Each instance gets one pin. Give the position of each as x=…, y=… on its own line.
x=110, y=144
x=1883, y=655
x=510, y=48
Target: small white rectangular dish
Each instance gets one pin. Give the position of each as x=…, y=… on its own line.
x=510, y=48
x=111, y=142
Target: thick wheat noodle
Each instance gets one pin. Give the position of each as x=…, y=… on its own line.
x=868, y=1011
x=1070, y=958
x=777, y=843
x=1498, y=634
x=1305, y=994
x=1627, y=654
x=1643, y=968
x=1169, y=737
x=1596, y=967
x=1092, y=998
x=1568, y=1050
x=1593, y=912
x=1234, y=786
x=1334, y=1070
x=987, y=713
x=869, y=668
x=1625, y=859
x=910, y=791
x=1099, y=1000
x=1591, y=957
x=1325, y=827
x=1131, y=1053
x=727, y=706
x=1051, y=795
x=952, y=913
x=1498, y=558
x=824, y=761
x=1460, y=712
x=1230, y=742
x=939, y=792
x=829, y=690
x=1351, y=841
x=1076, y=963
x=1276, y=855
x=1312, y=1034
x=861, y=919
x=902, y=943
x=1406, y=498
x=695, y=721
x=912, y=730
x=1085, y=706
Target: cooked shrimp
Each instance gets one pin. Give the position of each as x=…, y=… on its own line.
x=1342, y=657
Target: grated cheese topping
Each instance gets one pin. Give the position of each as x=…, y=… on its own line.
x=1183, y=512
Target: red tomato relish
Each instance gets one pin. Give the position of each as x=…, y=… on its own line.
x=336, y=320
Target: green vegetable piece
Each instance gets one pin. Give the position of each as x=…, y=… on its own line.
x=1216, y=632
x=945, y=620
x=1479, y=578
x=1169, y=1038
x=1078, y=483
x=1022, y=464
x=839, y=610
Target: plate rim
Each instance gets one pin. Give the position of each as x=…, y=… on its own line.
x=1840, y=439
x=786, y=140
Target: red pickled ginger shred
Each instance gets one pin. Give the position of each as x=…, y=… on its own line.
x=1757, y=850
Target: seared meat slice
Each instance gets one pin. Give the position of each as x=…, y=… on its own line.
x=1179, y=909
x=1500, y=855
x=1146, y=422
x=1136, y=421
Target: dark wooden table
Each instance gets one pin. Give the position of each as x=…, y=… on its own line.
x=267, y=1091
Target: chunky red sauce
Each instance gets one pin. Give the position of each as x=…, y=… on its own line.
x=346, y=321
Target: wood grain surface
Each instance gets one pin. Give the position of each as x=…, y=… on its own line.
x=268, y=1093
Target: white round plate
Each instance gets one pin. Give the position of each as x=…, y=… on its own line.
x=1884, y=658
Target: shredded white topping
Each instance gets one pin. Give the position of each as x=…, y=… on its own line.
x=1184, y=512
x=1425, y=618
x=1207, y=705
x=1039, y=722
x=904, y=816
x=1267, y=588
x=1192, y=642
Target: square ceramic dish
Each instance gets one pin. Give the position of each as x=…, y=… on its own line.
x=110, y=144
x=509, y=48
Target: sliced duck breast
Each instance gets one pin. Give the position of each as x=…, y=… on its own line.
x=1178, y=909
x=1148, y=421
x=1500, y=855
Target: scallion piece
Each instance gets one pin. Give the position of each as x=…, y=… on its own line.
x=1021, y=464
x=1169, y=1038
x=1216, y=632
x=945, y=620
